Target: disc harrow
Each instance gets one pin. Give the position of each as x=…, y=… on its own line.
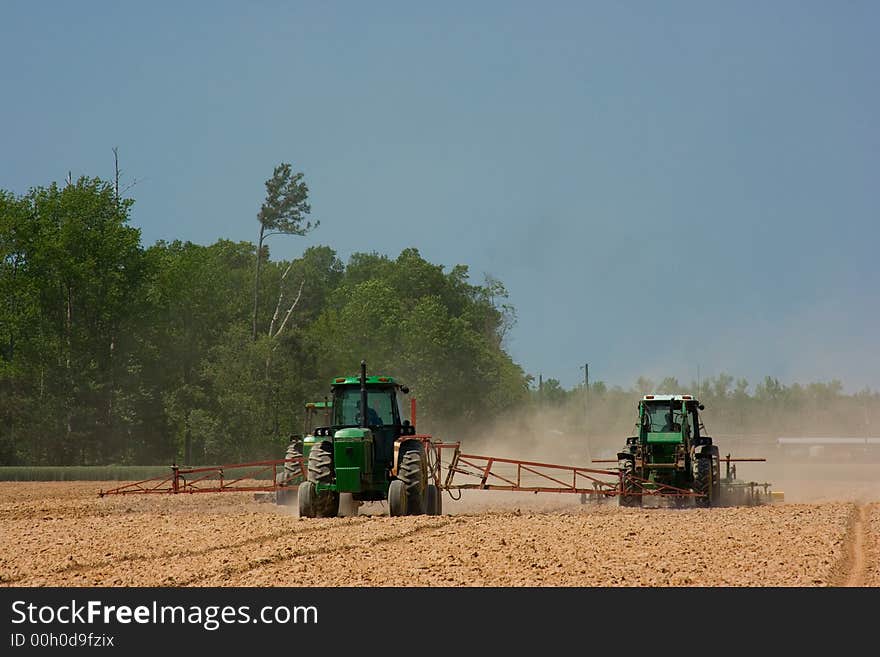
x=232, y=478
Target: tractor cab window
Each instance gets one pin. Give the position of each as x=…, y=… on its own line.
x=380, y=407
x=660, y=417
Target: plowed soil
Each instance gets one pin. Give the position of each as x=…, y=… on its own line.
x=63, y=534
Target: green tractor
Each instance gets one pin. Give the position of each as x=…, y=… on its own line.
x=671, y=456
x=367, y=456
x=316, y=414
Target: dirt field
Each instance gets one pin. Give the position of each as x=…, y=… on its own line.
x=62, y=534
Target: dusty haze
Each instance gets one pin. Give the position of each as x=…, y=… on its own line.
x=573, y=433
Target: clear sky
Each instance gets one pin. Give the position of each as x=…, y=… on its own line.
x=660, y=186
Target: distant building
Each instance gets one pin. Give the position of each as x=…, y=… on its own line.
x=829, y=448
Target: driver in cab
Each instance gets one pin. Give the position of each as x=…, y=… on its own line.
x=373, y=418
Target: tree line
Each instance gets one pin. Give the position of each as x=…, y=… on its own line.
x=113, y=352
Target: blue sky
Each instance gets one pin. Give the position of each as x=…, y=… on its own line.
x=660, y=186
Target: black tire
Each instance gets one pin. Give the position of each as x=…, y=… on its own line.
x=306, y=498
x=397, y=498
x=706, y=479
x=716, y=474
x=289, y=476
x=626, y=498
x=326, y=502
x=321, y=463
x=413, y=472
x=434, y=500
x=293, y=471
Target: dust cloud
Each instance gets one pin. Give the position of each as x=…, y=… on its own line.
x=572, y=433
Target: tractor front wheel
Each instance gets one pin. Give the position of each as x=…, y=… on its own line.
x=306, y=497
x=705, y=479
x=397, y=498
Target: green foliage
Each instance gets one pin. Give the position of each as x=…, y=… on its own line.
x=72, y=286
x=437, y=332
x=286, y=205
x=551, y=392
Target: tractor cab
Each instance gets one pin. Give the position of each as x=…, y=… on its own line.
x=669, y=419
x=670, y=449
x=317, y=415
x=384, y=416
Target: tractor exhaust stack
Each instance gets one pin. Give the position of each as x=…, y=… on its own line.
x=364, y=423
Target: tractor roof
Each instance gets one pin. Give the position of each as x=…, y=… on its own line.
x=668, y=398
x=326, y=404
x=356, y=380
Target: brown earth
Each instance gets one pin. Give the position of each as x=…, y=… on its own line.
x=63, y=534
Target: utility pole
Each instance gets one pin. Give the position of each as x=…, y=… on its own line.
x=587, y=418
x=587, y=396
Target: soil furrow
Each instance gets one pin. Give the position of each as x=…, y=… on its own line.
x=341, y=549
x=80, y=567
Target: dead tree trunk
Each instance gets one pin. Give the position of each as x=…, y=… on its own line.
x=257, y=280
x=273, y=334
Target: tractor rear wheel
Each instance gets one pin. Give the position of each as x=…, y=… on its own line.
x=289, y=475
x=397, y=498
x=326, y=503
x=434, y=500
x=413, y=472
x=627, y=498
x=293, y=470
x=306, y=497
x=321, y=463
x=706, y=479
x=716, y=473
